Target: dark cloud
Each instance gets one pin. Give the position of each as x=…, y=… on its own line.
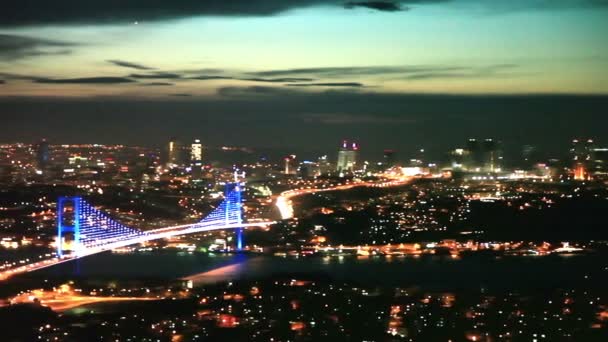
x=414, y=72
x=45, y=12
x=181, y=95
x=14, y=47
x=33, y=12
x=157, y=84
x=128, y=64
x=85, y=80
x=355, y=71
x=210, y=77
x=334, y=84
x=350, y=119
x=387, y=6
x=278, y=80
x=253, y=92
x=252, y=79
x=157, y=75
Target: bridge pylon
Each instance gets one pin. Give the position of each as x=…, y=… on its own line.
x=63, y=228
x=234, y=210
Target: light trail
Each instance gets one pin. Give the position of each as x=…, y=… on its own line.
x=285, y=205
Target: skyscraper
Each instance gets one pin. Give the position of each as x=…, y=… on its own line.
x=196, y=158
x=175, y=153
x=484, y=155
x=196, y=152
x=389, y=158
x=43, y=155
x=581, y=150
x=347, y=157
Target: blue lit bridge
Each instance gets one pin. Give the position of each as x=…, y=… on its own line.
x=94, y=231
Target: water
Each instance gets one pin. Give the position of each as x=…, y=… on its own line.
x=432, y=272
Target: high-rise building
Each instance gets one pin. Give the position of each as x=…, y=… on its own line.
x=484, y=155
x=388, y=158
x=196, y=158
x=582, y=156
x=175, y=153
x=196, y=152
x=581, y=150
x=325, y=166
x=43, y=155
x=529, y=156
x=600, y=162
x=288, y=166
x=347, y=157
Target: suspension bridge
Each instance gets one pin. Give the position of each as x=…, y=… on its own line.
x=93, y=231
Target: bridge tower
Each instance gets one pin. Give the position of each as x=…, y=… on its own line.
x=234, y=210
x=63, y=228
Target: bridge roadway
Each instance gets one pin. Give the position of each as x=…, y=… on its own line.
x=156, y=234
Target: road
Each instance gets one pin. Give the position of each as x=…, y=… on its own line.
x=285, y=205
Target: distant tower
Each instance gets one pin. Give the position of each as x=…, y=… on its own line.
x=347, y=157
x=389, y=158
x=484, y=155
x=582, y=154
x=196, y=158
x=581, y=150
x=288, y=164
x=175, y=153
x=43, y=155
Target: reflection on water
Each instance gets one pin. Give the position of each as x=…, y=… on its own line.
x=431, y=271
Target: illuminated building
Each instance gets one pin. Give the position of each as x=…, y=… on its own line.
x=42, y=155
x=580, y=173
x=196, y=152
x=484, y=155
x=582, y=150
x=196, y=158
x=347, y=157
x=389, y=158
x=600, y=161
x=324, y=165
x=288, y=161
x=175, y=153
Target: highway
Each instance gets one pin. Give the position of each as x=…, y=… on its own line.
x=285, y=205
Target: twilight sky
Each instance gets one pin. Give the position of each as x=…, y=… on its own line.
x=297, y=68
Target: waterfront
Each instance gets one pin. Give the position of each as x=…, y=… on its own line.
x=433, y=272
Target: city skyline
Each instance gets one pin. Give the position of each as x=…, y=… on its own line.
x=258, y=69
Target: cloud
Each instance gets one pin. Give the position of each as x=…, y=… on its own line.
x=157, y=75
x=128, y=64
x=210, y=77
x=411, y=73
x=252, y=79
x=350, y=71
x=86, y=80
x=277, y=80
x=335, y=84
x=346, y=119
x=181, y=95
x=157, y=84
x=14, y=47
x=254, y=91
x=33, y=12
x=386, y=6
x=46, y=12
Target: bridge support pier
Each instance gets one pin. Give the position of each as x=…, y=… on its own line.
x=62, y=228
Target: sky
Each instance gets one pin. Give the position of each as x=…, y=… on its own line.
x=290, y=73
